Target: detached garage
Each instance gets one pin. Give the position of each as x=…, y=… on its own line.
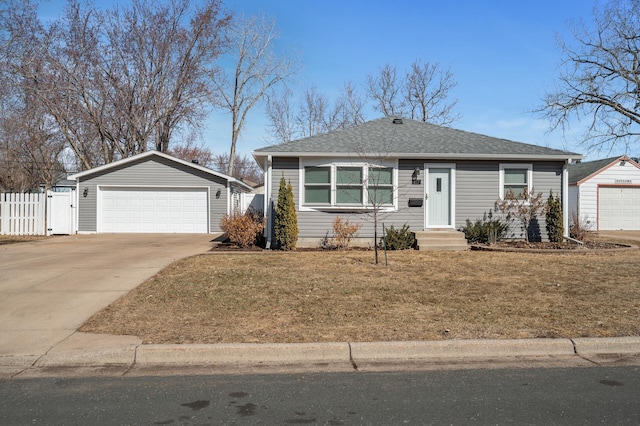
x=154, y=193
x=605, y=194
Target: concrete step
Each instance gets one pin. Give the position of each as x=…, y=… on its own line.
x=441, y=240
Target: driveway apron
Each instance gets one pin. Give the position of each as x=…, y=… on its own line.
x=49, y=288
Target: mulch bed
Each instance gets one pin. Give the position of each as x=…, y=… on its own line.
x=545, y=247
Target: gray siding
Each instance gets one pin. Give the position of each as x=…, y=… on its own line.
x=477, y=189
x=151, y=171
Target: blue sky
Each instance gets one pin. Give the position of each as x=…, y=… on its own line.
x=504, y=55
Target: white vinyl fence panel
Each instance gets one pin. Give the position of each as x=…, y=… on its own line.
x=22, y=214
x=253, y=201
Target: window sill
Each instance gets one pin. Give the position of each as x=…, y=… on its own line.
x=360, y=209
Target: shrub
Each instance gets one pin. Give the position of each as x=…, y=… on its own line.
x=286, y=218
x=525, y=209
x=344, y=232
x=554, y=219
x=399, y=239
x=579, y=229
x=485, y=231
x=243, y=229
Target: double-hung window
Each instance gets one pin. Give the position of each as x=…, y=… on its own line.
x=317, y=185
x=517, y=178
x=380, y=186
x=348, y=185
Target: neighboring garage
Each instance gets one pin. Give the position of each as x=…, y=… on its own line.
x=605, y=194
x=618, y=207
x=154, y=193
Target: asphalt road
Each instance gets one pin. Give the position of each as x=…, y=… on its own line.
x=541, y=396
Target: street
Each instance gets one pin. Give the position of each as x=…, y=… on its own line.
x=537, y=396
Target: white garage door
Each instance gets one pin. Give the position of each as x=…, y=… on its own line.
x=619, y=208
x=161, y=210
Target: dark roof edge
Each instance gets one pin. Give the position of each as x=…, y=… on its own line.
x=566, y=156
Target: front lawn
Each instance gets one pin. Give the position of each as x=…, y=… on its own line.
x=343, y=296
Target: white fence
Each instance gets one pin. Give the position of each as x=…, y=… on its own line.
x=22, y=214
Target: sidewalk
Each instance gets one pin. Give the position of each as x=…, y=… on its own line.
x=84, y=354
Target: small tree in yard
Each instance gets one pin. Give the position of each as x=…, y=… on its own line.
x=524, y=207
x=344, y=231
x=554, y=219
x=286, y=218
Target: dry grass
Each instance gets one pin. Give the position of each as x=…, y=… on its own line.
x=343, y=296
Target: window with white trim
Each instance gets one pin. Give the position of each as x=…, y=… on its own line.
x=380, y=186
x=515, y=177
x=348, y=185
x=317, y=185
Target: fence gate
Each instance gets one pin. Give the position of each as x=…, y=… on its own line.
x=60, y=212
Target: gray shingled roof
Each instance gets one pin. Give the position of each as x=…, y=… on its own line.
x=579, y=171
x=410, y=139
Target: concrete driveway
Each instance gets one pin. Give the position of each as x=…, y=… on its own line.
x=48, y=288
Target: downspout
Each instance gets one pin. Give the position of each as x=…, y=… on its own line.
x=565, y=197
x=267, y=199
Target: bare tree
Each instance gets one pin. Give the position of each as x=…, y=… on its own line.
x=170, y=62
x=421, y=94
x=427, y=88
x=281, y=117
x=257, y=69
x=385, y=90
x=350, y=106
x=245, y=167
x=29, y=144
x=600, y=79
x=315, y=113
x=193, y=152
x=120, y=82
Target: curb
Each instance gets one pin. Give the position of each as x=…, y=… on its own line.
x=447, y=349
x=248, y=353
x=127, y=352
x=607, y=346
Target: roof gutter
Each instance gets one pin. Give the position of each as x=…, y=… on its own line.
x=429, y=156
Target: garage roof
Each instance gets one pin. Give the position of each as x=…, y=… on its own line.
x=579, y=172
x=162, y=155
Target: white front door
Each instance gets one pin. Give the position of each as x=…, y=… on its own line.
x=439, y=196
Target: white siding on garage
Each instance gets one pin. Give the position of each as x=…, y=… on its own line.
x=627, y=175
x=152, y=210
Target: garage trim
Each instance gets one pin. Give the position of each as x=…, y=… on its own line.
x=101, y=189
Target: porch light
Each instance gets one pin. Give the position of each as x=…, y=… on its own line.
x=415, y=176
x=218, y=193
x=85, y=192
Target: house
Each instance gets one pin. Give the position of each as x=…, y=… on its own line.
x=605, y=194
x=430, y=177
x=154, y=192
